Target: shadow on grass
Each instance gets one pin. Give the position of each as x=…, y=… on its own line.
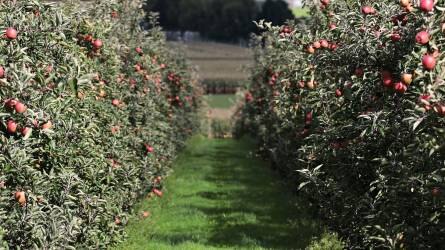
x=252, y=207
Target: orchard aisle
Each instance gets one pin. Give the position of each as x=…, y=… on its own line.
x=221, y=197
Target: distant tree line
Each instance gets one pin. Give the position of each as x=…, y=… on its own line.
x=225, y=20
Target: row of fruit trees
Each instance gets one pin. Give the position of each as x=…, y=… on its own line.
x=352, y=108
x=93, y=111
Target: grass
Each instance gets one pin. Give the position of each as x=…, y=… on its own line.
x=222, y=197
x=221, y=101
x=300, y=12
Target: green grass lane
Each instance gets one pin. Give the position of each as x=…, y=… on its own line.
x=221, y=101
x=221, y=197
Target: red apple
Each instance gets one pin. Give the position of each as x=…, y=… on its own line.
x=20, y=108
x=149, y=148
x=324, y=44
x=316, y=45
x=88, y=38
x=324, y=2
x=400, y=87
x=368, y=10
x=11, y=126
x=332, y=26
x=407, y=78
x=2, y=72
x=422, y=37
x=426, y=5
x=310, y=50
x=309, y=116
x=395, y=37
x=20, y=197
x=139, y=50
x=387, y=78
x=359, y=72
x=157, y=192
x=338, y=93
x=405, y=3
x=97, y=44
x=428, y=62
x=436, y=191
x=115, y=102
x=11, y=33
x=47, y=125
x=25, y=131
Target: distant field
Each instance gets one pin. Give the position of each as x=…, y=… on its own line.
x=217, y=61
x=221, y=101
x=301, y=12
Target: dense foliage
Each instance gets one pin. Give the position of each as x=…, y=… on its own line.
x=93, y=111
x=352, y=107
x=223, y=20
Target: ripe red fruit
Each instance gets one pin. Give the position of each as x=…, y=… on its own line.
x=324, y=2
x=333, y=46
x=114, y=14
x=11, y=126
x=11, y=33
x=422, y=37
x=324, y=43
x=157, y=192
x=117, y=221
x=149, y=148
x=248, y=97
x=137, y=67
x=407, y=78
x=97, y=44
x=316, y=45
x=426, y=5
x=400, y=87
x=368, y=10
x=387, y=78
x=310, y=50
x=139, y=50
x=115, y=102
x=25, y=131
x=428, y=62
x=47, y=125
x=2, y=72
x=309, y=116
x=88, y=38
x=359, y=72
x=395, y=37
x=338, y=93
x=435, y=191
x=332, y=26
x=20, y=107
x=20, y=197
x=10, y=104
x=405, y=3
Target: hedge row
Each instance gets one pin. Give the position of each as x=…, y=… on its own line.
x=352, y=108
x=93, y=111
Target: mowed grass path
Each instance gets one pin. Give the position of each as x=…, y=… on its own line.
x=221, y=197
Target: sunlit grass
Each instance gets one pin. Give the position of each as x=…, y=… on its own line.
x=221, y=197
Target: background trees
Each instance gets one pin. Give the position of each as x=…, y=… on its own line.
x=225, y=20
